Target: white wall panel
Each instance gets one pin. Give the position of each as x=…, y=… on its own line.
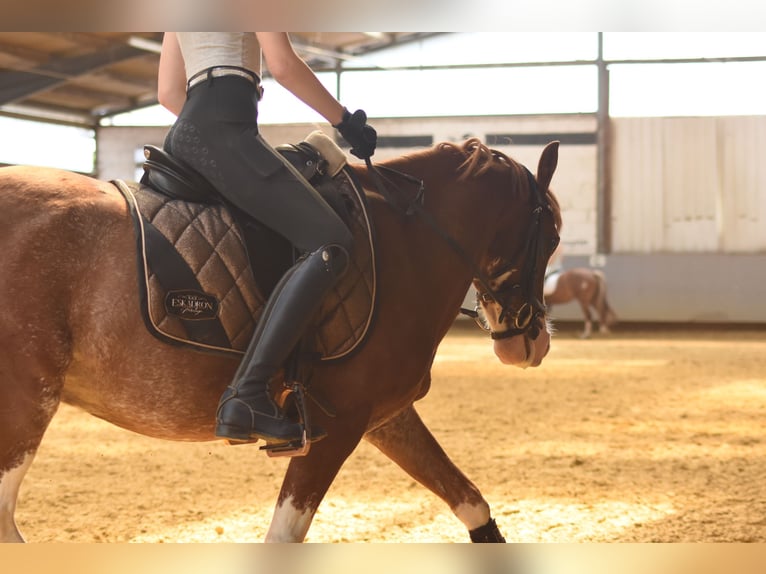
x=690, y=185
x=637, y=186
x=684, y=185
x=742, y=149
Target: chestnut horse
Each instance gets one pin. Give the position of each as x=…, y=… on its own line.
x=588, y=288
x=68, y=331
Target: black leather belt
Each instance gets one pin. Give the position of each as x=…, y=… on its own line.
x=221, y=71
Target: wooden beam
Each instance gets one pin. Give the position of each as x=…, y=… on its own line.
x=15, y=84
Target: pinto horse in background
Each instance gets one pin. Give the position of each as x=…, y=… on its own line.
x=68, y=331
x=588, y=288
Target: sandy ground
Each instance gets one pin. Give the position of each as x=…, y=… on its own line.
x=649, y=434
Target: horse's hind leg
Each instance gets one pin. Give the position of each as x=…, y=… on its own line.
x=588, y=327
x=406, y=440
x=10, y=481
x=27, y=405
x=606, y=316
x=604, y=323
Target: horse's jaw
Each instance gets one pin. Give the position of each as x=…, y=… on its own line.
x=521, y=351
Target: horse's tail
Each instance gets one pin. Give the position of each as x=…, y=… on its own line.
x=600, y=302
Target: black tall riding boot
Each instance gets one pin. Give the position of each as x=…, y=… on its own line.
x=246, y=410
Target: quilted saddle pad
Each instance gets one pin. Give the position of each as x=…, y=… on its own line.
x=197, y=285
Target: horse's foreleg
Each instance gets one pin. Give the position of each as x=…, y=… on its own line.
x=407, y=441
x=307, y=480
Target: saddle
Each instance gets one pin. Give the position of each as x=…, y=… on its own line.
x=206, y=269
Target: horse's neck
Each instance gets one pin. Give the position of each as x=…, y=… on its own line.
x=422, y=259
x=450, y=215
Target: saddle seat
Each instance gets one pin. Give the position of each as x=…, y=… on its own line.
x=174, y=178
x=317, y=156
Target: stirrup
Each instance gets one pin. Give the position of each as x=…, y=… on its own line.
x=291, y=448
x=301, y=446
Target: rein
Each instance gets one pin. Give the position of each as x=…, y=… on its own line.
x=416, y=206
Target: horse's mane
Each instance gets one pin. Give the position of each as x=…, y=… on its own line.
x=479, y=159
x=475, y=157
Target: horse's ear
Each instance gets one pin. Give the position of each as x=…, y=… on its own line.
x=548, y=161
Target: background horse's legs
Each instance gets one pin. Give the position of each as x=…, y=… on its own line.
x=588, y=326
x=583, y=300
x=607, y=317
x=406, y=440
x=585, y=290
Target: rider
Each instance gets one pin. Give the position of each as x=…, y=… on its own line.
x=211, y=81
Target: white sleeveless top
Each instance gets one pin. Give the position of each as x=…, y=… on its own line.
x=203, y=50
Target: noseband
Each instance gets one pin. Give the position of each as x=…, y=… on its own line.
x=527, y=318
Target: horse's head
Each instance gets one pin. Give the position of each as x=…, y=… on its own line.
x=510, y=292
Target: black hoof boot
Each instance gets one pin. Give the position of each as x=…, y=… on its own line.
x=487, y=533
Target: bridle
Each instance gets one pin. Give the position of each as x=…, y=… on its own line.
x=527, y=319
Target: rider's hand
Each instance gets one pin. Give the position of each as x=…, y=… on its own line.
x=357, y=132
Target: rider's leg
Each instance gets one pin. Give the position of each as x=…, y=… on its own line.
x=246, y=409
x=218, y=135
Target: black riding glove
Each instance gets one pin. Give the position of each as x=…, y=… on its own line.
x=355, y=130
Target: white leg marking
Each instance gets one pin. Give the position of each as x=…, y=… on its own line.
x=472, y=515
x=289, y=524
x=9, y=491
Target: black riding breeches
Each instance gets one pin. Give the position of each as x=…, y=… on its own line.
x=216, y=133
